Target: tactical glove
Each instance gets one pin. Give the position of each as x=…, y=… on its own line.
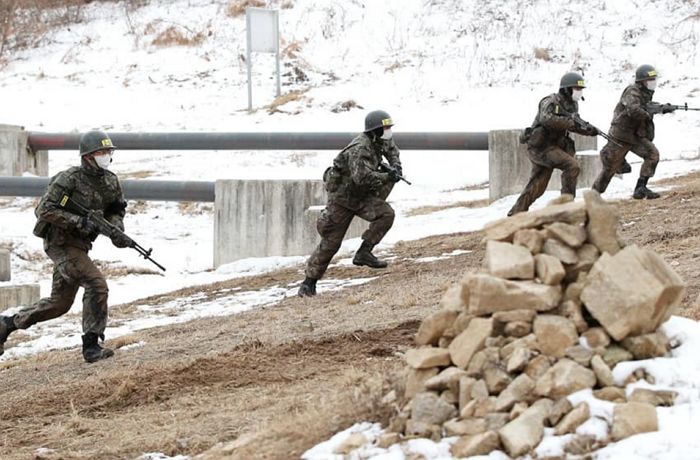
x=394, y=175
x=667, y=108
x=87, y=227
x=120, y=240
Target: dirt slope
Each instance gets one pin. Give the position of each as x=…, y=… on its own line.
x=278, y=379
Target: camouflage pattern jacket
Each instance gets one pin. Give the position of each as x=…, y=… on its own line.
x=553, y=122
x=355, y=173
x=94, y=188
x=631, y=121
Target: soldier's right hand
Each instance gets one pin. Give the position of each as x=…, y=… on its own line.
x=87, y=227
x=394, y=175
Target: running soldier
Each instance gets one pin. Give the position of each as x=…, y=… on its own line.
x=67, y=239
x=549, y=145
x=357, y=187
x=632, y=128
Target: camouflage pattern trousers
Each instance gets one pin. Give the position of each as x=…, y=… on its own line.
x=334, y=222
x=72, y=269
x=613, y=155
x=543, y=164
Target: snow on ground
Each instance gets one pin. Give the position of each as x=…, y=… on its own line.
x=435, y=66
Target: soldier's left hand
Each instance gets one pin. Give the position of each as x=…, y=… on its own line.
x=667, y=108
x=120, y=240
x=394, y=175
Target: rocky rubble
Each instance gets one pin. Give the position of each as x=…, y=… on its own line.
x=561, y=302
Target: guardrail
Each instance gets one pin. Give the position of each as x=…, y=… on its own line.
x=259, y=141
x=149, y=190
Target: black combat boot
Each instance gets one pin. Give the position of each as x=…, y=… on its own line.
x=624, y=168
x=7, y=326
x=92, y=351
x=641, y=191
x=307, y=288
x=364, y=256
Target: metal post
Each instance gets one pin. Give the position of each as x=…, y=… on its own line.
x=249, y=64
x=277, y=51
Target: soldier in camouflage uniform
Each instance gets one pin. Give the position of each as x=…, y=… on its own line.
x=549, y=145
x=356, y=187
x=67, y=239
x=633, y=129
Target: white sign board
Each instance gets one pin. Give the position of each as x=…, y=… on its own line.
x=264, y=32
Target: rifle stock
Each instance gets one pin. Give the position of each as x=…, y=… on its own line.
x=104, y=226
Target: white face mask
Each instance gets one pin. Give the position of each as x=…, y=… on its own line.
x=387, y=134
x=651, y=84
x=103, y=161
x=577, y=94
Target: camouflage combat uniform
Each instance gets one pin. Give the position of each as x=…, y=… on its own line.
x=67, y=246
x=548, y=147
x=355, y=188
x=633, y=128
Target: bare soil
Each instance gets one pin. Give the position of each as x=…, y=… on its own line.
x=272, y=382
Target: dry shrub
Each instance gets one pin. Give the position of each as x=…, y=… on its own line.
x=174, y=36
x=27, y=23
x=345, y=106
x=291, y=51
x=284, y=99
x=543, y=54
x=237, y=7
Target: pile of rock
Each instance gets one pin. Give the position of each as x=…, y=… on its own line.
x=562, y=303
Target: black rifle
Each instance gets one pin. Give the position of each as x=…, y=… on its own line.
x=392, y=171
x=655, y=108
x=104, y=226
x=582, y=124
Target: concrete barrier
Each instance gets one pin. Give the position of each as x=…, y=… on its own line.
x=5, y=268
x=509, y=165
x=16, y=157
x=18, y=295
x=262, y=218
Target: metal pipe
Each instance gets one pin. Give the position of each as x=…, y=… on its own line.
x=260, y=141
x=150, y=190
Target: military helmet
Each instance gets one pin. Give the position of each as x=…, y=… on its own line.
x=377, y=119
x=92, y=141
x=645, y=72
x=572, y=80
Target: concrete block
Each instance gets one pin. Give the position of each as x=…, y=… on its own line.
x=5, y=268
x=261, y=218
x=16, y=157
x=509, y=165
x=18, y=295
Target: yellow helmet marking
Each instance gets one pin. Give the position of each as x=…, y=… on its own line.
x=387, y=122
x=107, y=143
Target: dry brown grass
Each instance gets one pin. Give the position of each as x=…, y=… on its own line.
x=543, y=54
x=285, y=98
x=178, y=36
x=460, y=204
x=237, y=7
x=291, y=50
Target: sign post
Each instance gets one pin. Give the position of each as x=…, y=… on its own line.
x=262, y=36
